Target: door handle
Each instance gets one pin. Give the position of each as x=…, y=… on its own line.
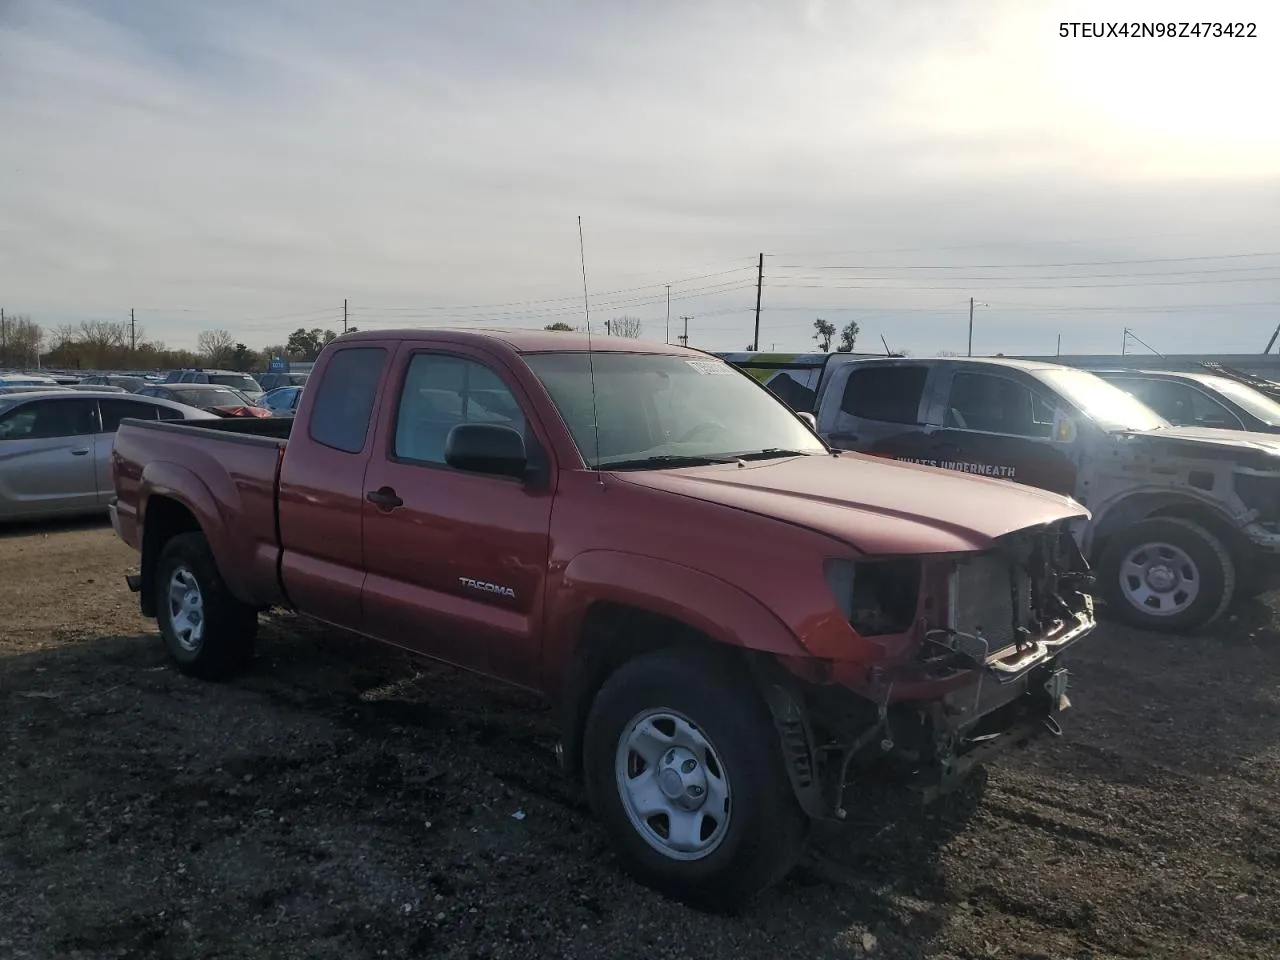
x=384, y=498
x=79, y=451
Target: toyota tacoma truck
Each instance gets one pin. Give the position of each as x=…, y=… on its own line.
x=733, y=620
x=1183, y=520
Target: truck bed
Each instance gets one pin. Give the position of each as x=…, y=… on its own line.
x=225, y=474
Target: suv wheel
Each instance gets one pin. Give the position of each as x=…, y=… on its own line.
x=1166, y=574
x=683, y=767
x=208, y=632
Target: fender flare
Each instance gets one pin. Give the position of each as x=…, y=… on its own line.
x=1140, y=504
x=702, y=601
x=721, y=611
x=183, y=486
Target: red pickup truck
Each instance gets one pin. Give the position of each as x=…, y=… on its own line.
x=733, y=619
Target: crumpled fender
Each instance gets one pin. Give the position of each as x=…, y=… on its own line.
x=699, y=599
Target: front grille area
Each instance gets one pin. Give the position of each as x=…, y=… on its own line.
x=983, y=592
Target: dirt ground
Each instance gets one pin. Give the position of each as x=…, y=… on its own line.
x=344, y=801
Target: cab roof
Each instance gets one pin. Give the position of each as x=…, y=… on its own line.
x=523, y=341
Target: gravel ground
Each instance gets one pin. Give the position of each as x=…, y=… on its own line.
x=346, y=801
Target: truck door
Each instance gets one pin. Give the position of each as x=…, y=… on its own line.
x=998, y=422
x=877, y=408
x=322, y=486
x=456, y=560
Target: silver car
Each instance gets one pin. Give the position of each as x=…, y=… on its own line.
x=55, y=448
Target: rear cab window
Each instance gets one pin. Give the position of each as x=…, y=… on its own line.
x=885, y=393
x=345, y=397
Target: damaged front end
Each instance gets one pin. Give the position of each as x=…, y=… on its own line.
x=981, y=669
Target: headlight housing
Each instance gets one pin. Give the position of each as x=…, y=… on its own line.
x=876, y=597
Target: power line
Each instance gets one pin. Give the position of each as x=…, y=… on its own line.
x=1059, y=276
x=1048, y=286
x=1022, y=266
x=571, y=298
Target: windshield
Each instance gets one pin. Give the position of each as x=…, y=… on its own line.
x=1254, y=401
x=1103, y=403
x=652, y=406
x=212, y=397
x=241, y=381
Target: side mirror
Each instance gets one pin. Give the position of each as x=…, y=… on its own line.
x=486, y=448
x=809, y=419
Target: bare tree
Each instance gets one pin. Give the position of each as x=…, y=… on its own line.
x=625, y=326
x=948, y=353
x=216, y=347
x=21, y=341
x=100, y=343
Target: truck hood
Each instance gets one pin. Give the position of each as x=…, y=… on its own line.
x=1210, y=442
x=878, y=506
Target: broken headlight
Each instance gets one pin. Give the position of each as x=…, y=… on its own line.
x=877, y=597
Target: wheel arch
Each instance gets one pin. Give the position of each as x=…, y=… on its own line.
x=165, y=518
x=1144, y=506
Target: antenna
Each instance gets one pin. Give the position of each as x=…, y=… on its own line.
x=591, y=366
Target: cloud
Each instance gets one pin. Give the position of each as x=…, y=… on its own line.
x=230, y=164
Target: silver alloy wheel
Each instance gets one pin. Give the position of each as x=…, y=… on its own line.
x=1159, y=579
x=186, y=609
x=673, y=786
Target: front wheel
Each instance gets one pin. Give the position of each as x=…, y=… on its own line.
x=683, y=767
x=1166, y=574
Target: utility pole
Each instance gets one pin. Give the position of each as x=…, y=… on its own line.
x=608, y=328
x=4, y=338
x=684, y=337
x=668, y=313
x=344, y=314
x=1124, y=343
x=971, y=306
x=971, y=326
x=133, y=333
x=755, y=341
x=1059, y=345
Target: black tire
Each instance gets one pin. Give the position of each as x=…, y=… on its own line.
x=1211, y=566
x=764, y=831
x=228, y=628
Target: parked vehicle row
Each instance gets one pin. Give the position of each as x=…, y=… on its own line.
x=55, y=448
x=1182, y=519
x=734, y=619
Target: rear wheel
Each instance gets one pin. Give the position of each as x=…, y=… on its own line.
x=208, y=632
x=1166, y=574
x=683, y=768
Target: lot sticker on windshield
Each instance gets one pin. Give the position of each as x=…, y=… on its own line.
x=712, y=367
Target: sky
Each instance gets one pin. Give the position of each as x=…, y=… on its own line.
x=250, y=164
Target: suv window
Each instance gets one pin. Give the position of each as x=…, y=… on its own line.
x=1179, y=403
x=441, y=392
x=345, y=396
x=45, y=419
x=113, y=411
x=992, y=404
x=888, y=394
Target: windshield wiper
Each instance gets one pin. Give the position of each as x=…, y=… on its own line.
x=772, y=453
x=664, y=460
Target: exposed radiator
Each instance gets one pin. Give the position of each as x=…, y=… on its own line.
x=982, y=599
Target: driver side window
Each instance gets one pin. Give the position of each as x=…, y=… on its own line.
x=441, y=392
x=991, y=404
